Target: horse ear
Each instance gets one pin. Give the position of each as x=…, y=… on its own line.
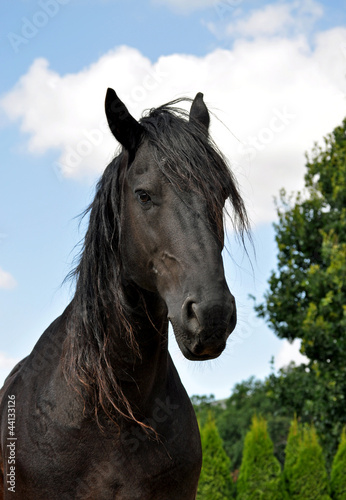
x=199, y=111
x=123, y=126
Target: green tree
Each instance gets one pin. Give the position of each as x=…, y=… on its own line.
x=292, y=452
x=260, y=471
x=215, y=481
x=307, y=293
x=338, y=473
x=233, y=416
x=308, y=479
x=248, y=398
x=204, y=406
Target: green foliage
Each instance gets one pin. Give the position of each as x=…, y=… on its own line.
x=272, y=398
x=215, y=481
x=292, y=452
x=233, y=417
x=248, y=398
x=338, y=473
x=307, y=294
x=204, y=406
x=308, y=478
x=260, y=471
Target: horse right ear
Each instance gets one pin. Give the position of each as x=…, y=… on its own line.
x=123, y=126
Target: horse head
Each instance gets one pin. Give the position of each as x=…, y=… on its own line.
x=173, y=190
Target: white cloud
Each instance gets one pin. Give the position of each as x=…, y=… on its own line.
x=290, y=352
x=277, y=96
x=6, y=281
x=270, y=20
x=277, y=19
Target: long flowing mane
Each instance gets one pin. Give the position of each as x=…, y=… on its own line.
x=100, y=312
x=191, y=160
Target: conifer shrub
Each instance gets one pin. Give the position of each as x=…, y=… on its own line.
x=338, y=472
x=308, y=479
x=215, y=481
x=291, y=452
x=260, y=474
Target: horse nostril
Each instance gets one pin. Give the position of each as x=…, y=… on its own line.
x=190, y=309
x=190, y=314
x=210, y=317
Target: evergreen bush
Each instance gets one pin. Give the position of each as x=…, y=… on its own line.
x=215, y=481
x=338, y=472
x=308, y=478
x=260, y=472
x=291, y=452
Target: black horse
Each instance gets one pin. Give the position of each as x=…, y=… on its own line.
x=97, y=411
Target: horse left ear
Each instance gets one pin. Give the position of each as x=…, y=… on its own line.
x=199, y=111
x=123, y=126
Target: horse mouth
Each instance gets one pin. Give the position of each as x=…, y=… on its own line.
x=201, y=354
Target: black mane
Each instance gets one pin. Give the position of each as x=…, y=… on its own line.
x=190, y=160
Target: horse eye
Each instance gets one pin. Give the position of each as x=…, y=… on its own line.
x=143, y=197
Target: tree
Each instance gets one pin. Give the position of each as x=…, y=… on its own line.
x=271, y=398
x=260, y=471
x=215, y=481
x=307, y=294
x=308, y=478
x=248, y=398
x=206, y=405
x=292, y=452
x=338, y=473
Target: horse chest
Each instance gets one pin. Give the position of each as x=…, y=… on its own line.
x=144, y=467
x=153, y=471
x=87, y=464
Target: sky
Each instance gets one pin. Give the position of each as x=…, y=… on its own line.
x=272, y=74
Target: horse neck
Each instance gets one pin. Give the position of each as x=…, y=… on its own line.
x=145, y=360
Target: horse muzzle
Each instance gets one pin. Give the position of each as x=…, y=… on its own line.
x=204, y=326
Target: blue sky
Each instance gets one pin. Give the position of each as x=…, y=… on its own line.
x=273, y=72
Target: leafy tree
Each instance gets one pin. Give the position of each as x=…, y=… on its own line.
x=308, y=478
x=292, y=391
x=338, y=473
x=206, y=405
x=215, y=481
x=260, y=471
x=307, y=294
